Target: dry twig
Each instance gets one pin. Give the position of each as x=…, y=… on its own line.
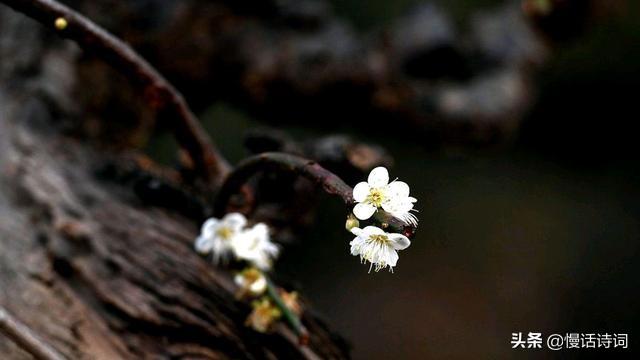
x=25, y=338
x=159, y=93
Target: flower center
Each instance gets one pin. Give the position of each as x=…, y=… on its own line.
x=380, y=239
x=376, y=197
x=224, y=233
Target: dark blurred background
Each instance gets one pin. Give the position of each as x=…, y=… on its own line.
x=513, y=121
x=540, y=236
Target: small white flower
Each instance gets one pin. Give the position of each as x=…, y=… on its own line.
x=377, y=193
x=255, y=246
x=218, y=236
x=376, y=246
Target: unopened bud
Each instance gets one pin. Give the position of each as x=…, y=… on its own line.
x=61, y=23
x=351, y=222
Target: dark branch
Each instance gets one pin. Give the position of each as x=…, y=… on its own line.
x=159, y=93
x=309, y=169
x=25, y=339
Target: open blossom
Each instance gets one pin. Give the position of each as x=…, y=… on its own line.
x=376, y=246
x=229, y=237
x=393, y=197
x=218, y=236
x=254, y=245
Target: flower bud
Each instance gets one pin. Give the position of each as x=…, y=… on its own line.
x=264, y=314
x=61, y=23
x=351, y=222
x=251, y=282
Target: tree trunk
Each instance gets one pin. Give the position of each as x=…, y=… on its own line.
x=86, y=265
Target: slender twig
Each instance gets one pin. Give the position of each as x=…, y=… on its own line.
x=158, y=92
x=25, y=338
x=248, y=167
x=330, y=182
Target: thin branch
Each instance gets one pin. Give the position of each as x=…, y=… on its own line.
x=159, y=93
x=25, y=338
x=330, y=182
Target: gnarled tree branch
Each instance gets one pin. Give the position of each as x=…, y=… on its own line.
x=159, y=93
x=330, y=182
x=310, y=169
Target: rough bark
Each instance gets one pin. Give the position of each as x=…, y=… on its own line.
x=86, y=264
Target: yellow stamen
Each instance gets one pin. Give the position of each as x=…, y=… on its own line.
x=224, y=233
x=380, y=239
x=376, y=197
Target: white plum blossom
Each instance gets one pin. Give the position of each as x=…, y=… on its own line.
x=393, y=197
x=229, y=236
x=378, y=247
x=217, y=236
x=255, y=246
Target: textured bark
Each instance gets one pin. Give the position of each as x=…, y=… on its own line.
x=86, y=264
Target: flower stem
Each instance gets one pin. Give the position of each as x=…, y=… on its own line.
x=292, y=319
x=284, y=162
x=328, y=181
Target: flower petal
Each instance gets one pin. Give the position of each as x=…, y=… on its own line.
x=261, y=229
x=389, y=206
x=398, y=206
x=356, y=246
x=240, y=280
x=209, y=227
x=272, y=249
x=220, y=245
x=254, y=246
x=235, y=220
x=263, y=263
x=203, y=244
x=361, y=191
x=259, y=286
x=372, y=230
x=399, y=241
x=390, y=257
x=363, y=211
x=356, y=231
x=398, y=189
x=378, y=177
